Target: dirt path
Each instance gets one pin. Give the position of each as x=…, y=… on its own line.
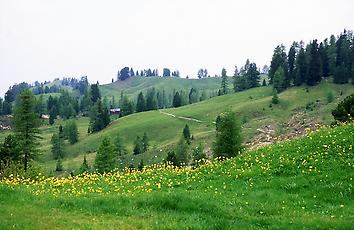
x=183, y=118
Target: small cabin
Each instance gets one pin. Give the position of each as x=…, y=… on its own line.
x=114, y=111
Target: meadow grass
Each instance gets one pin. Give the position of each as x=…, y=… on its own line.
x=304, y=183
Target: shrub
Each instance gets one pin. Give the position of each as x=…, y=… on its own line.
x=344, y=110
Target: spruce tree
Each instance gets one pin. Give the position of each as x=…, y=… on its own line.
x=301, y=68
x=26, y=124
x=105, y=158
x=224, y=82
x=95, y=93
x=181, y=151
x=72, y=132
x=187, y=134
x=279, y=59
x=9, y=150
x=177, y=100
x=140, y=104
x=315, y=68
x=278, y=80
x=228, y=141
x=291, y=64
x=57, y=146
x=138, y=146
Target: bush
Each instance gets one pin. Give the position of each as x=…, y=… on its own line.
x=345, y=109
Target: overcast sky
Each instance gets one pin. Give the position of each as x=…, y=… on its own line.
x=44, y=39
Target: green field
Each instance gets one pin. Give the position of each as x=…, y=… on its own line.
x=300, y=184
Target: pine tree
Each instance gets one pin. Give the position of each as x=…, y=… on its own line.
x=301, y=68
x=95, y=93
x=291, y=64
x=140, y=104
x=324, y=58
x=315, y=68
x=9, y=150
x=72, y=132
x=126, y=106
x=26, y=125
x=228, y=141
x=57, y=146
x=278, y=60
x=182, y=152
x=177, y=101
x=275, y=98
x=224, y=82
x=264, y=83
x=252, y=76
x=187, y=134
x=193, y=96
x=105, y=158
x=138, y=146
x=278, y=80
x=52, y=115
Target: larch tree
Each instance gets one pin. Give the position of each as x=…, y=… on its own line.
x=26, y=123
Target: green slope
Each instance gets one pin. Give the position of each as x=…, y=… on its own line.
x=133, y=85
x=300, y=184
x=252, y=107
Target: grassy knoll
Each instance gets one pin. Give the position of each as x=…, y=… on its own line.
x=300, y=184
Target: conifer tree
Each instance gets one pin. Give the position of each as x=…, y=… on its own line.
x=57, y=146
x=301, y=68
x=26, y=125
x=278, y=80
x=105, y=158
x=140, y=104
x=187, y=134
x=228, y=141
x=278, y=60
x=224, y=82
x=138, y=146
x=72, y=132
x=315, y=68
x=177, y=100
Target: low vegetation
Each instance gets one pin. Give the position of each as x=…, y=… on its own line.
x=304, y=183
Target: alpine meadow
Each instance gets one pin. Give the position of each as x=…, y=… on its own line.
x=176, y=115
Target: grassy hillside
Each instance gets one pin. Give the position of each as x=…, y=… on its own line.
x=300, y=184
x=299, y=107
x=133, y=85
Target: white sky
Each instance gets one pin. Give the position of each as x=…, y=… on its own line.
x=44, y=39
